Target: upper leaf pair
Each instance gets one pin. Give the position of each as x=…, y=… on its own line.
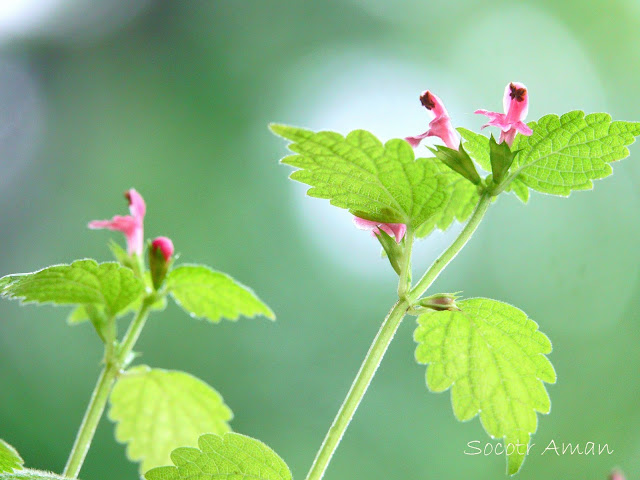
x=202, y=292
x=387, y=184
x=563, y=154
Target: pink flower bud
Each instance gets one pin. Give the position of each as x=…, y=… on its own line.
x=616, y=475
x=516, y=106
x=440, y=126
x=165, y=246
x=160, y=254
x=396, y=230
x=132, y=226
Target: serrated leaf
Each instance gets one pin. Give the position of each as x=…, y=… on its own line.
x=359, y=173
x=206, y=293
x=232, y=457
x=567, y=153
x=82, y=282
x=10, y=459
x=159, y=410
x=518, y=187
x=31, y=475
x=462, y=198
x=493, y=358
x=477, y=145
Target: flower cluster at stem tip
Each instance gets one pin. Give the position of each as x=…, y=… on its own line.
x=516, y=107
x=132, y=226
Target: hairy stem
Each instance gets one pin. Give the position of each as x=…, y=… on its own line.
x=404, y=283
x=358, y=389
x=450, y=253
x=100, y=396
x=385, y=335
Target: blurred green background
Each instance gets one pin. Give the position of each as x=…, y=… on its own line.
x=174, y=99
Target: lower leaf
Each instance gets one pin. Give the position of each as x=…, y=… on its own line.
x=492, y=356
x=158, y=410
x=231, y=457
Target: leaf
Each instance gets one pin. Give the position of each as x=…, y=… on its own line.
x=31, y=475
x=493, y=358
x=359, y=173
x=10, y=459
x=205, y=293
x=462, y=198
x=477, y=145
x=518, y=187
x=232, y=457
x=159, y=410
x=82, y=282
x=567, y=153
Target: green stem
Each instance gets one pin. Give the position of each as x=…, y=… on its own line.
x=404, y=283
x=386, y=334
x=358, y=389
x=100, y=396
x=450, y=253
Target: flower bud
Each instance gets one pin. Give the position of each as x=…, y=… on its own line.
x=160, y=253
x=440, y=302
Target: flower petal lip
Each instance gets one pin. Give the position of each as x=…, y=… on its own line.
x=515, y=102
x=132, y=226
x=440, y=126
x=137, y=207
x=397, y=230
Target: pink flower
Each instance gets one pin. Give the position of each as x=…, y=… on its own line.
x=396, y=230
x=440, y=126
x=130, y=225
x=516, y=106
x=164, y=245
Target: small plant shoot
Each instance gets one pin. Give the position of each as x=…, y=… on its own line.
x=492, y=357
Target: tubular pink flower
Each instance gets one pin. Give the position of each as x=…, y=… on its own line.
x=396, y=230
x=165, y=246
x=440, y=126
x=516, y=107
x=132, y=226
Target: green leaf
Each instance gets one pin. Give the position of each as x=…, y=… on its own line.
x=31, y=475
x=10, y=459
x=82, y=282
x=493, y=358
x=459, y=161
x=232, y=457
x=518, y=187
x=159, y=410
x=477, y=145
x=205, y=293
x=359, y=173
x=462, y=198
x=567, y=153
